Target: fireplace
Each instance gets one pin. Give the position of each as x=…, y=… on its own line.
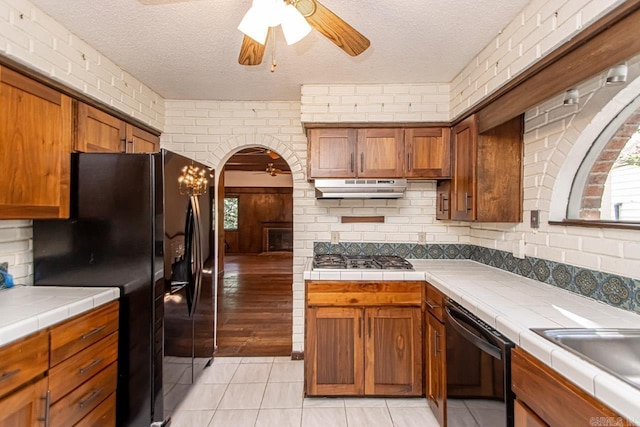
x=277, y=236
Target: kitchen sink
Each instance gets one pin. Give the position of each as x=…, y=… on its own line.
x=617, y=351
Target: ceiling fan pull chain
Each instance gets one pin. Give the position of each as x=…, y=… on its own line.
x=273, y=49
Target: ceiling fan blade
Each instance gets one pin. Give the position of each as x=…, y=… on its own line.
x=251, y=52
x=272, y=154
x=333, y=27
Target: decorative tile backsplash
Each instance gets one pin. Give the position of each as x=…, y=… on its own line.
x=618, y=291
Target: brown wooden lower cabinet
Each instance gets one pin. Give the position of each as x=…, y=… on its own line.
x=435, y=367
x=26, y=407
x=551, y=398
x=334, y=351
x=525, y=417
x=356, y=351
x=63, y=376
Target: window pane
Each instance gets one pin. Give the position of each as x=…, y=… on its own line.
x=231, y=213
x=606, y=185
x=621, y=196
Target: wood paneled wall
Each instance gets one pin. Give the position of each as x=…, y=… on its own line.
x=256, y=206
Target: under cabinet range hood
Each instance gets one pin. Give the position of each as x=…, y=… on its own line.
x=354, y=188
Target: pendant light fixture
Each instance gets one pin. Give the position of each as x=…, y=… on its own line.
x=264, y=14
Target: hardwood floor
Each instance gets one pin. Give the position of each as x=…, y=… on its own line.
x=255, y=303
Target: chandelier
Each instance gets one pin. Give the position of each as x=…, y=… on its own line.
x=264, y=14
x=193, y=181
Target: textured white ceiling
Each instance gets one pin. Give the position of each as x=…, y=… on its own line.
x=189, y=49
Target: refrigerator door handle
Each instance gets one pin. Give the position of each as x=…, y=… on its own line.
x=197, y=247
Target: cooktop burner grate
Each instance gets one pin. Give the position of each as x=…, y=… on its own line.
x=337, y=261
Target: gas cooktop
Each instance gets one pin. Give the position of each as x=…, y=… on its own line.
x=337, y=261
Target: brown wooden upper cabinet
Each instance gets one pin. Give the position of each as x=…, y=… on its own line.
x=379, y=153
x=428, y=152
x=35, y=143
x=100, y=132
x=487, y=172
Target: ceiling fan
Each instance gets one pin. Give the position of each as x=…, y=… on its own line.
x=323, y=20
x=273, y=171
x=317, y=16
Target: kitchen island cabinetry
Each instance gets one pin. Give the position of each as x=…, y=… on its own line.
x=35, y=143
x=544, y=397
x=363, y=338
x=487, y=172
x=379, y=152
x=99, y=132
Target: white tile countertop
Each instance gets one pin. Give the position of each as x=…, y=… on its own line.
x=28, y=309
x=513, y=304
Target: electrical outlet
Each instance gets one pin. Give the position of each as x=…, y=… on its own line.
x=335, y=237
x=422, y=238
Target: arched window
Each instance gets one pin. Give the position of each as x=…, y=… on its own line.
x=607, y=185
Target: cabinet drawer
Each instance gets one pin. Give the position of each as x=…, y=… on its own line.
x=103, y=416
x=23, y=360
x=79, y=368
x=83, y=331
x=345, y=294
x=553, y=398
x=435, y=302
x=80, y=402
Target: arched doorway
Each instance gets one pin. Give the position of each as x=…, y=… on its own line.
x=255, y=226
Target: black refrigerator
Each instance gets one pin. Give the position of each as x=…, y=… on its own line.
x=136, y=224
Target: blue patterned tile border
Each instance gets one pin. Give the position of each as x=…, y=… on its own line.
x=618, y=291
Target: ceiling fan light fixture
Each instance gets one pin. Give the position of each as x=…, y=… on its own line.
x=254, y=25
x=294, y=26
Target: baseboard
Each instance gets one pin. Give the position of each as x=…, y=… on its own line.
x=297, y=355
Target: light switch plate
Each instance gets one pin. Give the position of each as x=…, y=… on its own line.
x=422, y=238
x=535, y=219
x=335, y=237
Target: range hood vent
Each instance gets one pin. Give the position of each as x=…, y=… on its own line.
x=360, y=188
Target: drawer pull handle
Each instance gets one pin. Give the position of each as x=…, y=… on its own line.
x=90, y=397
x=9, y=374
x=92, y=332
x=93, y=363
x=432, y=305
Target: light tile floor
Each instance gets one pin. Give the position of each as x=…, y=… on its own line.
x=268, y=392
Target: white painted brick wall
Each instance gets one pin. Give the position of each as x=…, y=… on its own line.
x=33, y=38
x=16, y=249
x=541, y=27
x=375, y=103
x=190, y=126
x=555, y=141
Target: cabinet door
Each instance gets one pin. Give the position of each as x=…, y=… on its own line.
x=463, y=196
x=380, y=153
x=332, y=153
x=334, y=351
x=525, y=417
x=393, y=351
x=428, y=152
x=435, y=363
x=35, y=143
x=141, y=141
x=443, y=199
x=98, y=132
x=26, y=407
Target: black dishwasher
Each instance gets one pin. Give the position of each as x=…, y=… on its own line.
x=478, y=371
